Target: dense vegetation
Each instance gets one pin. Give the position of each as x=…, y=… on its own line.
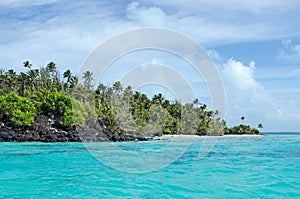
x=241, y=129
x=67, y=101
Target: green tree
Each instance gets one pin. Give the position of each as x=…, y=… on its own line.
x=117, y=87
x=242, y=118
x=67, y=74
x=241, y=129
x=52, y=69
x=23, y=81
x=27, y=64
x=88, y=80
x=10, y=79
x=16, y=109
x=66, y=110
x=33, y=76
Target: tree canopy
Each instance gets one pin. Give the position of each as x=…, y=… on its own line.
x=44, y=91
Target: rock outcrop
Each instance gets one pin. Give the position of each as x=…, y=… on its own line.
x=43, y=131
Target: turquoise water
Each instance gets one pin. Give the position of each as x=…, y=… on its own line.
x=237, y=167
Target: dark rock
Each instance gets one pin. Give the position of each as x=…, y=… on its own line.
x=43, y=131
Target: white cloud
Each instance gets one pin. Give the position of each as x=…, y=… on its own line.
x=152, y=16
x=67, y=31
x=60, y=34
x=24, y=3
x=217, y=22
x=241, y=76
x=214, y=55
x=258, y=7
x=247, y=97
x=290, y=50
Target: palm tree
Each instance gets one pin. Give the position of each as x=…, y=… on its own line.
x=242, y=118
x=158, y=99
x=51, y=68
x=88, y=80
x=74, y=82
x=67, y=74
x=44, y=78
x=23, y=80
x=260, y=126
x=128, y=93
x=117, y=86
x=33, y=75
x=196, y=102
x=27, y=64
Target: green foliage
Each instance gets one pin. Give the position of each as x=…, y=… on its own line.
x=117, y=107
x=38, y=97
x=16, y=109
x=123, y=108
x=241, y=129
x=66, y=110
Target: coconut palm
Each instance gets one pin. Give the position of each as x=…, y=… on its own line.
x=27, y=64
x=117, y=86
x=32, y=76
x=88, y=80
x=23, y=79
x=67, y=74
x=52, y=69
x=158, y=99
x=74, y=82
x=242, y=118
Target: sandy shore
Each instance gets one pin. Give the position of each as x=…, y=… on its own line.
x=243, y=135
x=177, y=137
x=188, y=137
x=182, y=136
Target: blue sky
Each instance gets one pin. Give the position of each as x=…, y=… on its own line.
x=255, y=45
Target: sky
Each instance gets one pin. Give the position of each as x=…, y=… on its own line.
x=254, y=44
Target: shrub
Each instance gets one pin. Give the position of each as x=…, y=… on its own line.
x=16, y=109
x=63, y=108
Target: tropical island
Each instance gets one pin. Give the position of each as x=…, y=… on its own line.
x=46, y=105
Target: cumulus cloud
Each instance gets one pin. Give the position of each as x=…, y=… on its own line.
x=241, y=76
x=247, y=97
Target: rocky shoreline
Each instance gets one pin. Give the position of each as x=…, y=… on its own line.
x=43, y=131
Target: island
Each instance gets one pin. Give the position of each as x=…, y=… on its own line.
x=42, y=105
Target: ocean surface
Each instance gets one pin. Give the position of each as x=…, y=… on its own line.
x=231, y=167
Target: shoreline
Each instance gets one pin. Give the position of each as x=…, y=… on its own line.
x=241, y=135
x=91, y=131
x=57, y=135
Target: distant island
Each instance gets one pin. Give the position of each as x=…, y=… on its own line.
x=45, y=105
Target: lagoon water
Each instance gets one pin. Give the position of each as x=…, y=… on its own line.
x=237, y=167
